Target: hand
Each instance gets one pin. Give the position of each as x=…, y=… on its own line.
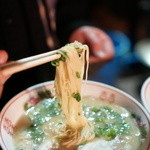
x=3, y=59
x=98, y=41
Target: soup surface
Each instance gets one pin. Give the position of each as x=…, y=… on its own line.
x=114, y=127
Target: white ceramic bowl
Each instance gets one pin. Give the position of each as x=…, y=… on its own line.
x=145, y=94
x=14, y=108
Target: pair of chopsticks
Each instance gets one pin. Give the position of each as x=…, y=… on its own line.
x=29, y=62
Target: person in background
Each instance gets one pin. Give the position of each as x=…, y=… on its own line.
x=28, y=27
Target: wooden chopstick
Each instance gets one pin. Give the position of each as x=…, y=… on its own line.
x=29, y=62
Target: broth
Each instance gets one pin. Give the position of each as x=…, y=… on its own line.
x=115, y=128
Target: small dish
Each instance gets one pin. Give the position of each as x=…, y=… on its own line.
x=145, y=94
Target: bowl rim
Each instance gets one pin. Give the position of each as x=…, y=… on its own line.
x=29, y=89
x=143, y=93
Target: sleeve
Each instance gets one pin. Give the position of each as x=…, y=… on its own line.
x=71, y=15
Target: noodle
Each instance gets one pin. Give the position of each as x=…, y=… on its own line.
x=68, y=82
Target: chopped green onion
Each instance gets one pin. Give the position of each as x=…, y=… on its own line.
x=95, y=109
x=55, y=63
x=26, y=106
x=110, y=134
x=45, y=94
x=59, y=105
x=78, y=75
x=76, y=96
x=143, y=132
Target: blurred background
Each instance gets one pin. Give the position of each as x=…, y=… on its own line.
x=128, y=25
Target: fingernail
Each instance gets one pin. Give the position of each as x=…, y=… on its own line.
x=100, y=54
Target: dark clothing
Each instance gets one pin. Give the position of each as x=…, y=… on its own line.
x=71, y=15
x=21, y=29
x=22, y=35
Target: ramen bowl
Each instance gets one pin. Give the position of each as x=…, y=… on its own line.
x=145, y=94
x=14, y=109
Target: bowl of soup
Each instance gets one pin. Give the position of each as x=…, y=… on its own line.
x=30, y=119
x=145, y=94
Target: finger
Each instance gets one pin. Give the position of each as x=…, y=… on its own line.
x=94, y=59
x=3, y=59
x=108, y=47
x=102, y=48
x=3, y=56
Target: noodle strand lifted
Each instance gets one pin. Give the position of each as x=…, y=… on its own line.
x=68, y=83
